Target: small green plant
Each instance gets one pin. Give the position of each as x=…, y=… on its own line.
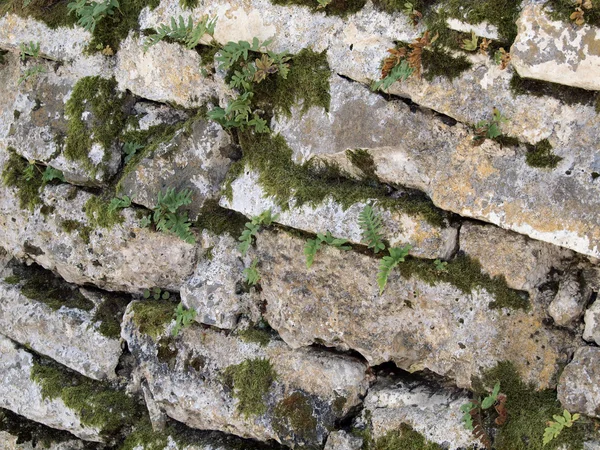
x=472, y=414
x=372, y=227
x=90, y=12
x=130, y=149
x=119, y=203
x=50, y=173
x=146, y=221
x=412, y=13
x=472, y=44
x=440, y=266
x=238, y=114
x=167, y=216
x=489, y=129
x=323, y=3
x=32, y=72
x=396, y=256
x=400, y=72
x=183, y=318
x=31, y=50
x=251, y=274
x=156, y=293
x=313, y=245
x=263, y=219
x=554, y=428
x=188, y=34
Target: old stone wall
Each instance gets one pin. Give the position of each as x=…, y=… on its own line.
x=321, y=224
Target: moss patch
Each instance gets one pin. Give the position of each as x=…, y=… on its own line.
x=189, y=4
x=96, y=98
x=540, y=155
x=13, y=279
x=440, y=63
x=562, y=10
x=99, y=215
x=110, y=314
x=255, y=335
x=13, y=176
x=251, y=381
x=295, y=414
x=341, y=8
x=307, y=83
x=219, y=220
x=152, y=317
x=363, y=161
x=528, y=412
x=404, y=439
x=566, y=94
x=52, y=13
x=96, y=403
x=284, y=180
x=465, y=273
x=73, y=225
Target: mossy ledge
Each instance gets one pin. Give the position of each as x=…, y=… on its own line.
x=342, y=8
x=540, y=155
x=250, y=382
x=152, y=316
x=97, y=404
x=14, y=176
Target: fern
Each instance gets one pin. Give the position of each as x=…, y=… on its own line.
x=473, y=411
x=50, y=173
x=130, y=149
x=119, y=203
x=396, y=256
x=183, y=32
x=167, y=216
x=313, y=245
x=31, y=50
x=90, y=12
x=555, y=428
x=371, y=224
x=31, y=72
x=263, y=219
x=251, y=274
x=183, y=318
x=401, y=72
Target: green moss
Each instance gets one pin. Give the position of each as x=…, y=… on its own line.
x=540, y=155
x=219, y=220
x=251, y=381
x=99, y=215
x=145, y=437
x=207, y=54
x=284, y=180
x=110, y=314
x=13, y=175
x=255, y=335
x=12, y=279
x=96, y=404
x=341, y=8
x=566, y=94
x=113, y=29
x=465, y=274
x=189, y=4
x=167, y=351
x=404, y=439
x=152, y=316
x=528, y=412
x=562, y=10
x=363, y=161
x=307, y=83
x=28, y=431
x=73, y=225
x=441, y=63
x=98, y=97
x=294, y=414
x=42, y=285
x=52, y=13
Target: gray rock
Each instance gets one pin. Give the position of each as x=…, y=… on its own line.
x=523, y=262
x=579, y=385
x=341, y=440
x=433, y=412
x=570, y=300
x=555, y=51
x=21, y=395
x=196, y=159
x=591, y=333
x=11, y=442
x=70, y=335
x=415, y=324
x=188, y=377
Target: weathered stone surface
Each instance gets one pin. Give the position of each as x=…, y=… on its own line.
x=341, y=440
x=570, y=300
x=123, y=258
x=186, y=378
x=591, y=333
x=414, y=324
x=21, y=395
x=164, y=73
x=195, y=159
x=433, y=412
x=523, y=262
x=482, y=29
x=579, y=385
x=11, y=442
x=399, y=228
x=68, y=335
x=214, y=290
x=553, y=51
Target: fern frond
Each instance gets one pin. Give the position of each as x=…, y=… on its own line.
x=251, y=274
x=310, y=250
x=371, y=224
x=396, y=256
x=182, y=31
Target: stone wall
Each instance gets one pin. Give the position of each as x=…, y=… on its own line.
x=279, y=224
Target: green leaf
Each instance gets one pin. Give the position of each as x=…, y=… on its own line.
x=396, y=256
x=50, y=173
x=183, y=318
x=119, y=203
x=310, y=250
x=471, y=44
x=251, y=274
x=29, y=172
x=371, y=224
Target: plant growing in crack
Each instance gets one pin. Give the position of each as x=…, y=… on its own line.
x=169, y=218
x=313, y=245
x=183, y=318
x=489, y=128
x=251, y=274
x=251, y=229
x=187, y=33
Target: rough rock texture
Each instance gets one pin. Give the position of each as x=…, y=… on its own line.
x=341, y=440
x=548, y=50
x=186, y=378
x=414, y=324
x=68, y=335
x=570, y=300
x=195, y=159
x=123, y=258
x=579, y=385
x=18, y=393
x=591, y=333
x=399, y=228
x=523, y=262
x=432, y=411
x=11, y=442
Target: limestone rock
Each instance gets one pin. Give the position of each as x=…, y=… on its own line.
x=31, y=314
x=482, y=29
x=522, y=261
x=197, y=160
x=312, y=389
x=591, y=333
x=415, y=324
x=400, y=228
x=579, y=385
x=570, y=300
x=341, y=440
x=554, y=51
x=166, y=72
x=431, y=411
x=21, y=395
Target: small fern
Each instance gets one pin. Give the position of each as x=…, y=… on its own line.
x=263, y=219
x=313, y=245
x=90, y=12
x=130, y=149
x=371, y=224
x=50, y=173
x=119, y=203
x=183, y=318
x=555, y=428
x=31, y=73
x=31, y=50
x=183, y=32
x=167, y=216
x=401, y=72
x=251, y=274
x=396, y=256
